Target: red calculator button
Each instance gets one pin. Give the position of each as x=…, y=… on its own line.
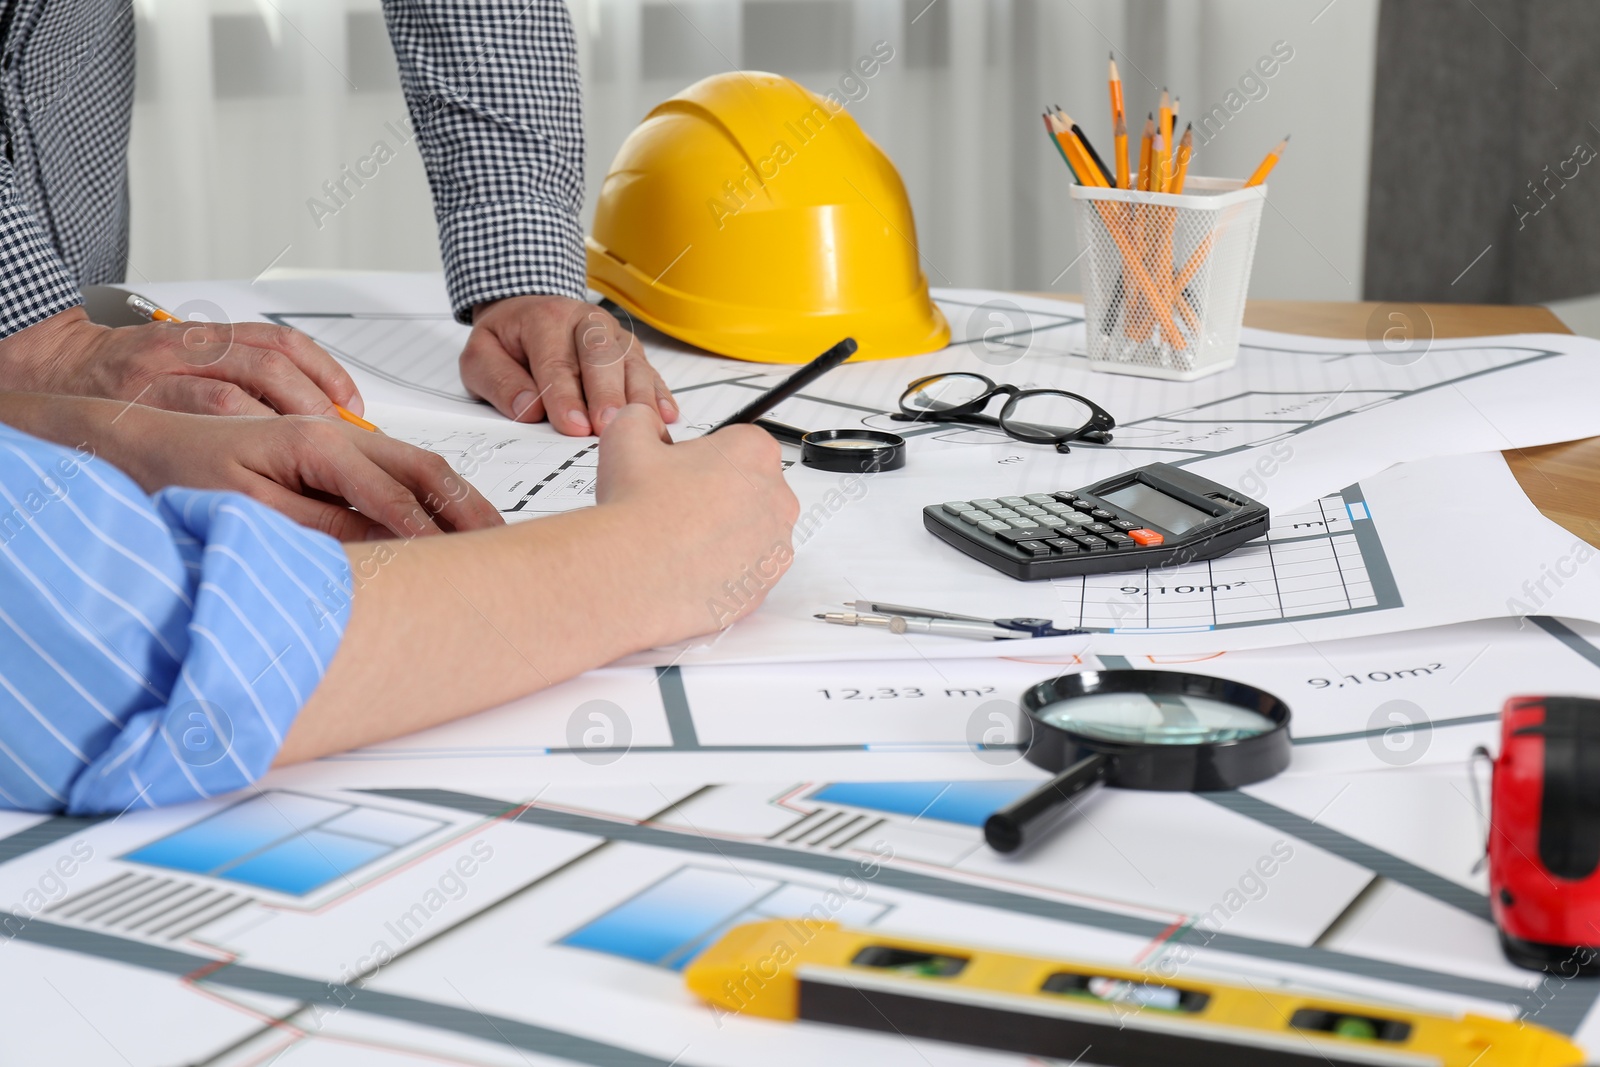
x=1145, y=537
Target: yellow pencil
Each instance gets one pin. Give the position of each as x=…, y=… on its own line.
x=156, y=313
x=1119, y=126
x=1261, y=172
x=1146, y=152
x=1077, y=152
x=1164, y=127
x=1185, y=150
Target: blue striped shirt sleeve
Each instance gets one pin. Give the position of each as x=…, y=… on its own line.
x=153, y=650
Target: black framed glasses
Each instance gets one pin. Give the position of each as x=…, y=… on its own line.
x=1038, y=416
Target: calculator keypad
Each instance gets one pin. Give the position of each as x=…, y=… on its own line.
x=1049, y=524
x=1069, y=533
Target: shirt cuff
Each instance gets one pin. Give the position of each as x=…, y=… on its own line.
x=492, y=251
x=33, y=282
x=270, y=606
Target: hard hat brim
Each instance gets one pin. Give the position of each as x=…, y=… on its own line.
x=911, y=326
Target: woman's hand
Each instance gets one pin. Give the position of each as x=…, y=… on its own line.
x=314, y=470
x=687, y=538
x=716, y=507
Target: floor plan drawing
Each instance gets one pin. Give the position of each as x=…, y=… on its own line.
x=1315, y=562
x=486, y=928
x=1426, y=698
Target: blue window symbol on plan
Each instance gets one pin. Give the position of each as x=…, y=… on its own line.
x=285, y=842
x=962, y=803
x=671, y=922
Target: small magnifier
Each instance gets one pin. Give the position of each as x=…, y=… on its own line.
x=859, y=451
x=1131, y=729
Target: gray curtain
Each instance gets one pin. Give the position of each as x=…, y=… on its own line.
x=1485, y=177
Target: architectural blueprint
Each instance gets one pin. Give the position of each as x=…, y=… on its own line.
x=1372, y=558
x=1295, y=419
x=395, y=927
x=1364, y=704
x=1295, y=423
x=525, y=887
x=522, y=471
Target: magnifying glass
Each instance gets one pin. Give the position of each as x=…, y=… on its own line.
x=1159, y=730
x=861, y=451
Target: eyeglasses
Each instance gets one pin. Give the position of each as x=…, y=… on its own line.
x=1038, y=416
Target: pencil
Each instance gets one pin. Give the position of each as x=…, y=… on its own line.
x=354, y=420
x=1146, y=151
x=1050, y=129
x=156, y=313
x=1119, y=124
x=1083, y=138
x=1164, y=128
x=1185, y=150
x=1172, y=132
x=1078, y=153
x=150, y=310
x=1261, y=172
x=1163, y=165
x=790, y=385
x=1070, y=152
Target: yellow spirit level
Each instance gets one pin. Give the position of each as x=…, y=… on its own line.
x=820, y=972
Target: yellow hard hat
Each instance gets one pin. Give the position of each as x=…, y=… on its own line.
x=752, y=218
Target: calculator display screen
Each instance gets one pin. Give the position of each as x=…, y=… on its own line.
x=1150, y=503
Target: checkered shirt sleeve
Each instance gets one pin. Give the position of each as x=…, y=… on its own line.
x=33, y=283
x=495, y=96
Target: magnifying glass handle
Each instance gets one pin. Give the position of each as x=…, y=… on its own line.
x=1029, y=818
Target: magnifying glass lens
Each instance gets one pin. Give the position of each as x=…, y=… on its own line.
x=1154, y=719
x=851, y=443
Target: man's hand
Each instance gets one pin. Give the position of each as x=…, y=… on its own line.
x=244, y=368
x=533, y=356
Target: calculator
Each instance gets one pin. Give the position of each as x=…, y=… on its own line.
x=1154, y=516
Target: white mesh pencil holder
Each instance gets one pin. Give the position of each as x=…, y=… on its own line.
x=1166, y=275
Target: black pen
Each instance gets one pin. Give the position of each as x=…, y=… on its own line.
x=790, y=385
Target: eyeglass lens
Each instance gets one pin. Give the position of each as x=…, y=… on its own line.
x=1046, y=416
x=945, y=392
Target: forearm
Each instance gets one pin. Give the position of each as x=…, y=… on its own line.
x=83, y=423
x=447, y=626
x=109, y=429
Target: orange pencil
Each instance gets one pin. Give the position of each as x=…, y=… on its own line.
x=1117, y=226
x=1119, y=126
x=1146, y=151
x=1163, y=166
x=1261, y=172
x=1077, y=157
x=1197, y=259
x=1049, y=128
x=1097, y=173
x=1185, y=150
x=1164, y=127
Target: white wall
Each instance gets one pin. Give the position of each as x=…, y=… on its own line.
x=247, y=106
